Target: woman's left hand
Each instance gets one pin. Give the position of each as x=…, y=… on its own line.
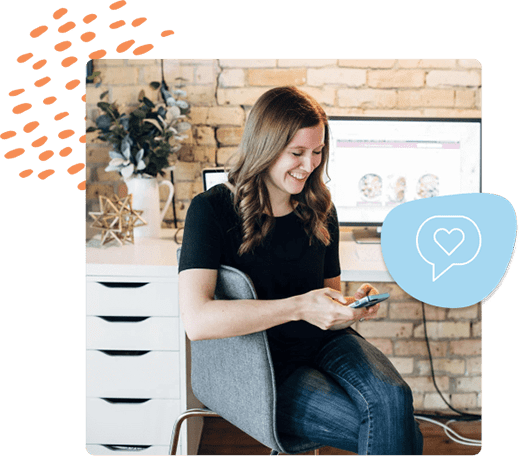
x=365, y=290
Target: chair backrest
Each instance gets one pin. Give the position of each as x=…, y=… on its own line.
x=234, y=376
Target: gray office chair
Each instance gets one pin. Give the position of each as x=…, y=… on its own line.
x=234, y=378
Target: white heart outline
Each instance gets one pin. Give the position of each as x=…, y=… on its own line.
x=449, y=232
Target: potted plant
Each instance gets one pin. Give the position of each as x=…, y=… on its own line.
x=144, y=143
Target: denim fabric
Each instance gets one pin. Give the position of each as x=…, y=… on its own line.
x=349, y=396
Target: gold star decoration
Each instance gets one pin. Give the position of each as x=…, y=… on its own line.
x=116, y=219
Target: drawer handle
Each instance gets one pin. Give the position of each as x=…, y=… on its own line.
x=125, y=400
x=124, y=284
x=123, y=319
x=127, y=447
x=125, y=352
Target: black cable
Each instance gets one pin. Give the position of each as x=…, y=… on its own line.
x=463, y=415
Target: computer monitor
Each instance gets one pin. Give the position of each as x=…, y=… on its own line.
x=213, y=176
x=378, y=163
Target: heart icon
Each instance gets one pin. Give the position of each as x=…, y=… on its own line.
x=448, y=239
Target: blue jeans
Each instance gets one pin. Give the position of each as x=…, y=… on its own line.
x=349, y=397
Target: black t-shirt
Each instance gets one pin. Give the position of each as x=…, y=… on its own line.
x=284, y=265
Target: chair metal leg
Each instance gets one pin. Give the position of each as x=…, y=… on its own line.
x=174, y=441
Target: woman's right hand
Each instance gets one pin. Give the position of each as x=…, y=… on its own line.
x=327, y=309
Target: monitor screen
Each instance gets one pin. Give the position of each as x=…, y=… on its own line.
x=213, y=176
x=378, y=163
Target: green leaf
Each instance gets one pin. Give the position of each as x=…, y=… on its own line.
x=155, y=85
x=139, y=113
x=91, y=129
x=103, y=95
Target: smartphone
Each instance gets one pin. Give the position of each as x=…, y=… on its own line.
x=369, y=301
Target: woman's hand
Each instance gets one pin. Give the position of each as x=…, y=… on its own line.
x=367, y=290
x=328, y=309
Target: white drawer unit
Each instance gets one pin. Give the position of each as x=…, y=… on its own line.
x=136, y=350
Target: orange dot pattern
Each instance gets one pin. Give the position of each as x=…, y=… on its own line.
x=49, y=100
x=39, y=64
x=116, y=25
x=39, y=31
x=137, y=22
x=67, y=27
x=30, y=127
x=59, y=13
x=14, y=93
x=87, y=37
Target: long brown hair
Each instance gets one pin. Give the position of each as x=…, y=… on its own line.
x=272, y=123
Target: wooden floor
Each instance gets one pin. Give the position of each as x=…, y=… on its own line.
x=221, y=438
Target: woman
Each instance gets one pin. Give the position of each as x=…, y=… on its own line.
x=274, y=220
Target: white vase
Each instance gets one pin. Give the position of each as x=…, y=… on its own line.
x=145, y=197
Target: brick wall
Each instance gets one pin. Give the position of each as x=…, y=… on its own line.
x=222, y=92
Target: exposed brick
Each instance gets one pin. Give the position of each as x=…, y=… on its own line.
x=432, y=401
x=425, y=97
x=408, y=63
x=367, y=63
x=95, y=190
x=476, y=329
x=468, y=347
x=128, y=95
x=204, y=154
x=120, y=75
x=471, y=63
x=385, y=345
x=464, y=400
x=468, y=384
x=395, y=78
x=240, y=96
x=412, y=310
x=465, y=98
x=393, y=113
x=438, y=63
x=277, y=77
x=226, y=156
x=214, y=116
x=232, y=78
x=103, y=176
x=308, y=63
x=252, y=63
x=425, y=384
x=324, y=96
x=186, y=171
x=205, y=75
x=98, y=153
x=103, y=63
x=464, y=313
x=373, y=328
x=403, y=365
x=150, y=73
x=345, y=76
x=367, y=98
x=419, y=348
x=229, y=136
x=173, y=70
x=204, y=135
x=474, y=365
x=441, y=366
x=457, y=78
x=453, y=113
x=142, y=62
x=444, y=329
x=200, y=94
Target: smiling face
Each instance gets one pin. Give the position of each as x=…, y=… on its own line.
x=288, y=174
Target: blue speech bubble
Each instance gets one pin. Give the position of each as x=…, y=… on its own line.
x=449, y=251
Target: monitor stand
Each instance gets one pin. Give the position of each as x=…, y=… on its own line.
x=367, y=235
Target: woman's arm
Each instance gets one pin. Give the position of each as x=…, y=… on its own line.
x=206, y=318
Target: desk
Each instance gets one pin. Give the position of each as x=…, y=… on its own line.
x=137, y=352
